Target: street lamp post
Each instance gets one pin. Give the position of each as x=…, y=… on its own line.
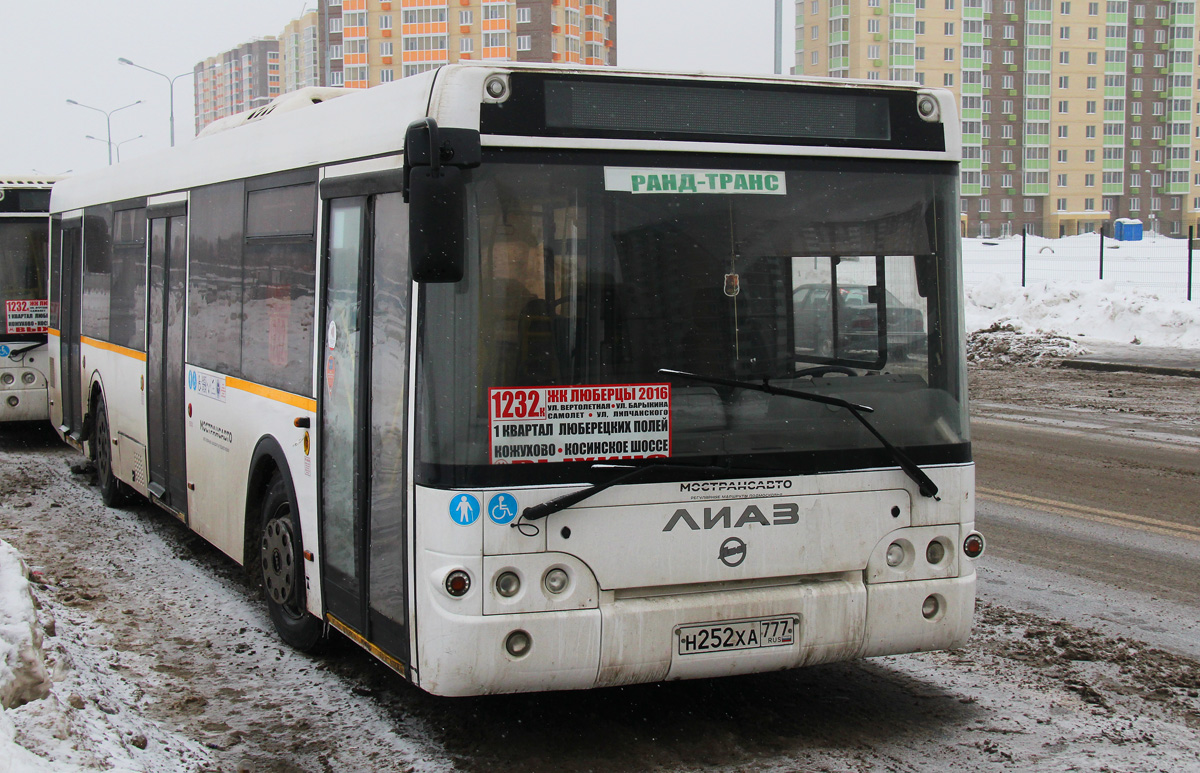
x=107, y=120
x=118, y=144
x=171, y=88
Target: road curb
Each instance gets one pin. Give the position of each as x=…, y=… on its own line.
x=1158, y=370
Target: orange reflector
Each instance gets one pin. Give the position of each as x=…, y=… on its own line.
x=973, y=545
x=308, y=555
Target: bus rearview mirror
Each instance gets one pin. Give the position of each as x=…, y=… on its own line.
x=437, y=214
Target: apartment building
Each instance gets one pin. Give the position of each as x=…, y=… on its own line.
x=300, y=59
x=237, y=80
x=1074, y=112
x=368, y=42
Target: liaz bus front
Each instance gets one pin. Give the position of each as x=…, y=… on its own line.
x=24, y=235
x=690, y=396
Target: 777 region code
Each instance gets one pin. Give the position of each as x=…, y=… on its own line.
x=579, y=423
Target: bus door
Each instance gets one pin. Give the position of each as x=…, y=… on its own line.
x=363, y=457
x=164, y=357
x=71, y=305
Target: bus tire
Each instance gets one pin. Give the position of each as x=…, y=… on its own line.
x=281, y=562
x=112, y=491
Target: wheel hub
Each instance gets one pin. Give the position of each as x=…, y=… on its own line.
x=278, y=561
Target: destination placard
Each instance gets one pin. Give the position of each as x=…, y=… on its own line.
x=26, y=316
x=629, y=179
x=579, y=423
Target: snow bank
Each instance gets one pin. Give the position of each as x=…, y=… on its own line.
x=1099, y=310
x=23, y=675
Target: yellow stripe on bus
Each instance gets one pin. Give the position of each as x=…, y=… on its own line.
x=358, y=639
x=278, y=395
x=134, y=353
x=53, y=332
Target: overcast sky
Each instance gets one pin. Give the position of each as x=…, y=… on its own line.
x=55, y=50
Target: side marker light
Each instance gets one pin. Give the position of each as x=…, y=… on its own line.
x=973, y=545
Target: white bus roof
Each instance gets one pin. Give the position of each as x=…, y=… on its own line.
x=362, y=124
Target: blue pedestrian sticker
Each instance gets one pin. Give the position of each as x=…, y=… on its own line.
x=464, y=509
x=502, y=508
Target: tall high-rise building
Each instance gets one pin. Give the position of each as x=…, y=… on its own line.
x=237, y=80
x=300, y=59
x=362, y=43
x=1074, y=112
x=367, y=42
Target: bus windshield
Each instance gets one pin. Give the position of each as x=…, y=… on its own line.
x=22, y=274
x=588, y=275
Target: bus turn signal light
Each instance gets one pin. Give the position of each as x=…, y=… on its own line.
x=458, y=583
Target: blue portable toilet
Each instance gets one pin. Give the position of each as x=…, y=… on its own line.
x=1128, y=229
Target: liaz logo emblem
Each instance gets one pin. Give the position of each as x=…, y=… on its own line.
x=733, y=552
x=781, y=514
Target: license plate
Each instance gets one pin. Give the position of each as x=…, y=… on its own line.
x=738, y=635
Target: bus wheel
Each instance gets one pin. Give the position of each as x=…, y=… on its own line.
x=283, y=571
x=112, y=491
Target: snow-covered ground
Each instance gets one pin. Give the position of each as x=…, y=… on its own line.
x=1059, y=312
x=1138, y=301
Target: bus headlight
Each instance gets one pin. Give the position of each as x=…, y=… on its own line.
x=935, y=552
x=28, y=378
x=932, y=608
x=508, y=584
x=7, y=378
x=556, y=580
x=895, y=554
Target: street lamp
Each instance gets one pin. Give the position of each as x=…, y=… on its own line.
x=170, y=83
x=107, y=120
x=117, y=144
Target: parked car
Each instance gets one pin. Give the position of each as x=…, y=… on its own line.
x=857, y=323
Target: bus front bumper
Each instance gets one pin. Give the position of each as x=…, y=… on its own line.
x=633, y=640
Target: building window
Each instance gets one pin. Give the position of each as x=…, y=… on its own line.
x=335, y=52
x=1064, y=57
x=1062, y=156
x=872, y=25
x=385, y=21
x=385, y=48
x=466, y=45
x=524, y=42
x=1062, y=106
x=335, y=25
x=1093, y=34
x=1030, y=205
x=1135, y=204
x=1060, y=205
x=1089, y=181
x=919, y=27
x=948, y=54
x=1089, y=132
x=386, y=76
x=335, y=79
x=948, y=78
x=466, y=18
x=1135, y=180
x=948, y=28
x=1064, y=33
x=524, y=15
x=919, y=55
x=499, y=11
x=1155, y=204
x=1062, y=181
x=1064, y=8
x=985, y=206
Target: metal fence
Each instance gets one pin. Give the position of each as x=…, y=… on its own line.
x=1155, y=263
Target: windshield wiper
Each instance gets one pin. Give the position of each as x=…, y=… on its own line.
x=537, y=512
x=926, y=486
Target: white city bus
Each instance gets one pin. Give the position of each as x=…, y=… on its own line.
x=24, y=236
x=536, y=378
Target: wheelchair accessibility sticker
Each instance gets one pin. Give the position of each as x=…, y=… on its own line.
x=502, y=508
